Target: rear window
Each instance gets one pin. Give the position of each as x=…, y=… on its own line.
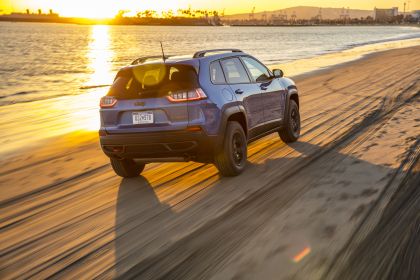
x=153, y=80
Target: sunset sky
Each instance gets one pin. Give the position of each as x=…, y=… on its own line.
x=108, y=8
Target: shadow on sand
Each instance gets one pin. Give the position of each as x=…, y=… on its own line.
x=138, y=203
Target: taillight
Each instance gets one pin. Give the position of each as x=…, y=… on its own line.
x=191, y=95
x=108, y=101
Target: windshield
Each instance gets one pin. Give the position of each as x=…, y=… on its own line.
x=153, y=80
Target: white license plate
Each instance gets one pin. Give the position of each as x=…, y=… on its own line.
x=142, y=117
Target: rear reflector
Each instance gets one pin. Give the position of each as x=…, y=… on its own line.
x=117, y=149
x=194, y=128
x=114, y=149
x=191, y=95
x=108, y=101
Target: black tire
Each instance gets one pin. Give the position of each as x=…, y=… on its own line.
x=291, y=131
x=127, y=168
x=231, y=158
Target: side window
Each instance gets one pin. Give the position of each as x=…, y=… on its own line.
x=234, y=71
x=258, y=71
x=216, y=73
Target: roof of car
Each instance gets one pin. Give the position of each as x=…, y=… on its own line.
x=193, y=60
x=188, y=59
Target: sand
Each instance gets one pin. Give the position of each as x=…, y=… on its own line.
x=301, y=211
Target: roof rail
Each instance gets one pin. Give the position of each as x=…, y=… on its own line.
x=202, y=53
x=143, y=59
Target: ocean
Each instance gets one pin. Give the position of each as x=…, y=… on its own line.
x=40, y=61
x=52, y=75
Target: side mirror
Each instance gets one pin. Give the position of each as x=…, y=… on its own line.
x=277, y=73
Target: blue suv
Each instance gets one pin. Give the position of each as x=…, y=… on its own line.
x=204, y=108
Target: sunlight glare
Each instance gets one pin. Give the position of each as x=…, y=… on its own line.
x=100, y=55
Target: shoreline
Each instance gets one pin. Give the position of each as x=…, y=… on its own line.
x=344, y=64
x=75, y=122
x=329, y=61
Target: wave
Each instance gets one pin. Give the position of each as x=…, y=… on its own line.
x=12, y=101
x=19, y=93
x=93, y=86
x=391, y=39
x=32, y=99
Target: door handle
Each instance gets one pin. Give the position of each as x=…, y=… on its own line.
x=263, y=87
x=239, y=91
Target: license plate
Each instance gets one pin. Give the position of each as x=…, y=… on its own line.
x=142, y=117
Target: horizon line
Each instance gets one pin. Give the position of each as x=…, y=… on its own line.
x=36, y=11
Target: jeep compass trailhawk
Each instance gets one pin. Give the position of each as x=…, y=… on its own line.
x=204, y=108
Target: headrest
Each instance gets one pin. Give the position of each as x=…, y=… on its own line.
x=149, y=81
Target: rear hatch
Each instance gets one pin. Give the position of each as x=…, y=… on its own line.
x=149, y=98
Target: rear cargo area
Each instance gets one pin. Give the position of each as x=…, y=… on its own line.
x=150, y=98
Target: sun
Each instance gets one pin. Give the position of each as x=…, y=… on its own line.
x=87, y=9
x=99, y=9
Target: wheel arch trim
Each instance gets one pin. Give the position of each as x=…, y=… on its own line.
x=227, y=113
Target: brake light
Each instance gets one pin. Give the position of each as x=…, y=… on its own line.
x=191, y=95
x=108, y=101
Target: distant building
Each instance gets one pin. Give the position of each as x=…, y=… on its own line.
x=416, y=14
x=385, y=14
x=27, y=16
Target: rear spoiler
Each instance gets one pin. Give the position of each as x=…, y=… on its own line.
x=143, y=59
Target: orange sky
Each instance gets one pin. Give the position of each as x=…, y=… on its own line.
x=108, y=8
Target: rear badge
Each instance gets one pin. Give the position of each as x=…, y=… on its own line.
x=138, y=103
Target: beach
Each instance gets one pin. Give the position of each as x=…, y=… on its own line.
x=308, y=210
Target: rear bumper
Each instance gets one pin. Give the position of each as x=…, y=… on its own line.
x=160, y=146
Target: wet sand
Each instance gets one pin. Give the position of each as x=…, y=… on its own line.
x=303, y=211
